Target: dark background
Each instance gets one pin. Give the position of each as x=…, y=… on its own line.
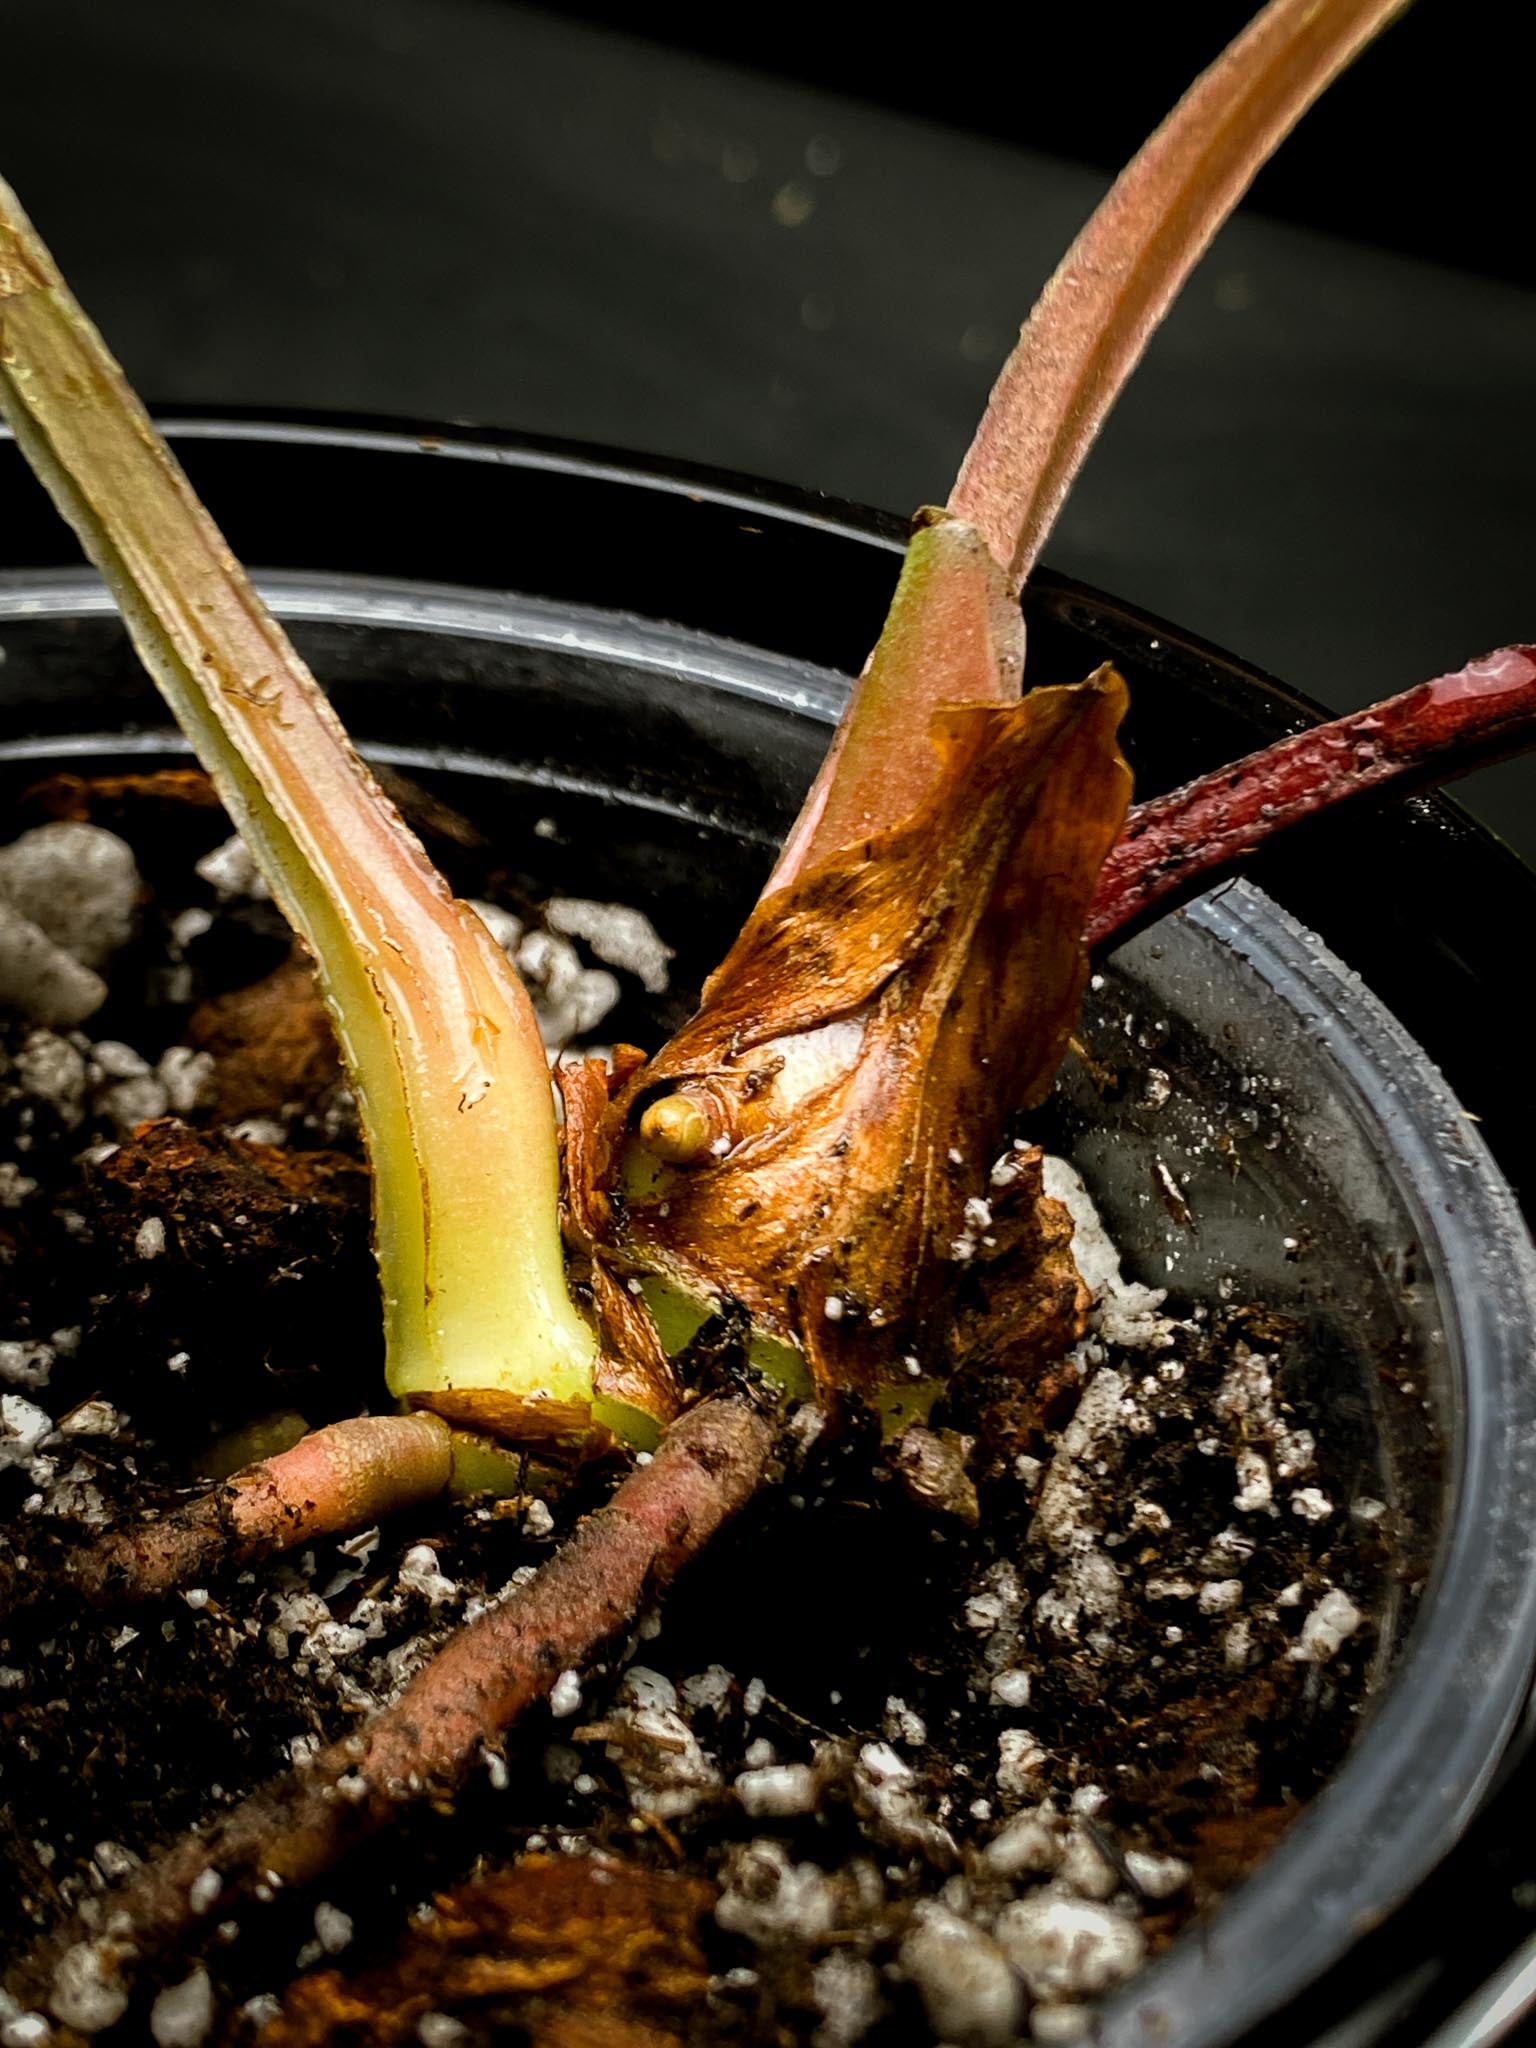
x=795, y=240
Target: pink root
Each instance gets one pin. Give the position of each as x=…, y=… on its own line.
x=332, y=1481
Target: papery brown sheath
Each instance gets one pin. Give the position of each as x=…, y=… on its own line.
x=922, y=977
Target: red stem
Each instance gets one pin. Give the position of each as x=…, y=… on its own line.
x=1173, y=845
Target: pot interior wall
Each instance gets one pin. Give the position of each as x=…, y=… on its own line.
x=1228, y=1165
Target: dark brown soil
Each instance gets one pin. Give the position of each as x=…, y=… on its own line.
x=1050, y=1602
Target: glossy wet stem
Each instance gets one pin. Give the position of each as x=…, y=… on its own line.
x=1177, y=844
x=438, y=1034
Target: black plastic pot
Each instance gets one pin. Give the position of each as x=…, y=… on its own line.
x=628, y=678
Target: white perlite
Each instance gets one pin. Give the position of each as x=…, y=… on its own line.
x=77, y=883
x=16, y=1187
x=440, y=2030
x=88, y=1992
x=188, y=926
x=666, y=1771
x=1087, y=1587
x=846, y=1989
x=421, y=1573
x=1086, y=1869
x=39, y=980
x=886, y=1794
x=708, y=1691
x=978, y=1221
x=569, y=1000
x=333, y=1928
x=1020, y=1762
x=93, y=1418
x=1170, y=1589
x=642, y=1687
x=126, y=1104
x=1068, y=1489
x=231, y=871
x=258, y=1130
x=623, y=937
x=186, y=1077
x=1124, y=1312
x=1311, y=1504
x=1227, y=1552
x=1156, y=1877
x=777, y=1791
x=1010, y=1689
x=1029, y=1845
x=971, y=1996
x=24, y=1364
x=766, y=1898
x=997, y=1607
x=903, y=1725
x=183, y=2013
x=1220, y=1596
x=24, y=1428
x=565, y=1695
x=1247, y=1397
x=52, y=1071
x=503, y=927
x=1255, y=1489
x=1326, y=1629
x=1059, y=2022
x=1066, y=1947
x=25, y=2030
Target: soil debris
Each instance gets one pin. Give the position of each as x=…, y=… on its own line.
x=942, y=1738
x=577, y=1952
x=271, y=1045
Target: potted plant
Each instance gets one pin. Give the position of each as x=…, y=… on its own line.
x=890, y=950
